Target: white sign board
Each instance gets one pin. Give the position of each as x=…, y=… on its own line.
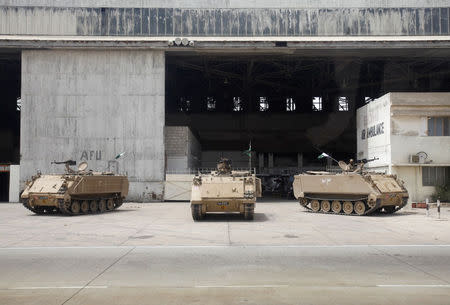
x=373, y=132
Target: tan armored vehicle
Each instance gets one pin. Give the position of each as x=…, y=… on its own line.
x=350, y=192
x=225, y=191
x=75, y=192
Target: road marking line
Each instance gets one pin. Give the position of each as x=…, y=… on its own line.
x=222, y=246
x=240, y=286
x=406, y=286
x=57, y=287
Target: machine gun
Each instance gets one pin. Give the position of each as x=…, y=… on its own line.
x=360, y=164
x=364, y=161
x=68, y=163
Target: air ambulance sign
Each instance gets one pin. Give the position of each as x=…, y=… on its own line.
x=372, y=131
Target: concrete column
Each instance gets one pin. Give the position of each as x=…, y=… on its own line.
x=261, y=160
x=14, y=183
x=300, y=160
x=270, y=160
x=90, y=105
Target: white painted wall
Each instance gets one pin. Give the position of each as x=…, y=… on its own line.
x=372, y=116
x=412, y=176
x=405, y=118
x=90, y=104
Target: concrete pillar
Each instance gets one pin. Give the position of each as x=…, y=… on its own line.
x=14, y=183
x=261, y=160
x=300, y=160
x=90, y=105
x=270, y=160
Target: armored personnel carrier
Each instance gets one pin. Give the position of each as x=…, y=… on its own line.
x=225, y=191
x=351, y=191
x=74, y=192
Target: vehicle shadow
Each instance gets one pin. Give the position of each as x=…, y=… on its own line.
x=375, y=214
x=58, y=214
x=233, y=217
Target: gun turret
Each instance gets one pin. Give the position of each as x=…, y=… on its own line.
x=224, y=166
x=68, y=163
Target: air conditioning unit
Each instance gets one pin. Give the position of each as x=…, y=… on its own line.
x=414, y=159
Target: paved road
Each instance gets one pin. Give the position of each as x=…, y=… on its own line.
x=353, y=274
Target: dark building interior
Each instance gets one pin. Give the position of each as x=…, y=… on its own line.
x=9, y=115
x=292, y=102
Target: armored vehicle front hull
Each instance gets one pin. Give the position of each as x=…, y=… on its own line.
x=74, y=194
x=350, y=193
x=233, y=193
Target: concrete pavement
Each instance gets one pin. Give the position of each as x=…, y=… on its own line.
x=156, y=254
x=170, y=223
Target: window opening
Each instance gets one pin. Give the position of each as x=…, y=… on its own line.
x=237, y=103
x=343, y=103
x=439, y=126
x=317, y=103
x=210, y=103
x=263, y=104
x=290, y=104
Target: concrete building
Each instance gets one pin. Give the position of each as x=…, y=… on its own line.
x=409, y=133
x=97, y=78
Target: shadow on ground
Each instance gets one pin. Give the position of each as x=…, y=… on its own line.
x=375, y=214
x=258, y=217
x=57, y=214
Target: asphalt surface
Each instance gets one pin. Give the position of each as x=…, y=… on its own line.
x=156, y=254
x=226, y=275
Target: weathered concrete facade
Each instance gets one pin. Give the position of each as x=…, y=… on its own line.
x=183, y=150
x=92, y=105
x=99, y=87
x=226, y=18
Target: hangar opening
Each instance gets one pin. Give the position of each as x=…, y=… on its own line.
x=10, y=76
x=290, y=107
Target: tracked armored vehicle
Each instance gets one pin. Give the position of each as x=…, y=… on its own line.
x=225, y=191
x=74, y=192
x=351, y=191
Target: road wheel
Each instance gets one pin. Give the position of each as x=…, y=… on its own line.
x=303, y=202
x=110, y=204
x=336, y=206
x=389, y=210
x=360, y=208
x=84, y=207
x=325, y=206
x=93, y=206
x=315, y=205
x=75, y=207
x=102, y=205
x=196, y=210
x=347, y=207
x=249, y=212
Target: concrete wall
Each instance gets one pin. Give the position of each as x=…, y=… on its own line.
x=183, y=150
x=373, y=132
x=145, y=19
x=228, y=3
x=404, y=117
x=412, y=176
x=92, y=105
x=409, y=115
